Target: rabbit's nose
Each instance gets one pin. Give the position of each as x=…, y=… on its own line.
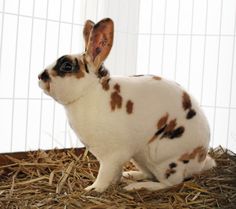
x=44, y=76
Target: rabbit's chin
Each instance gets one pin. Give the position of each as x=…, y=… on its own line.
x=45, y=86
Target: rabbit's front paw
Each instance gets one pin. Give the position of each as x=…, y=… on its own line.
x=95, y=188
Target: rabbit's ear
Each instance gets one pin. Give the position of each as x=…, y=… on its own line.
x=88, y=26
x=100, y=42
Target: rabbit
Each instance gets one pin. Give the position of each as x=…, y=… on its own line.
x=147, y=119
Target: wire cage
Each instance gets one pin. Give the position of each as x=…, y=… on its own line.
x=189, y=41
x=192, y=42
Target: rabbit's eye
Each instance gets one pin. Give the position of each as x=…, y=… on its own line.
x=67, y=67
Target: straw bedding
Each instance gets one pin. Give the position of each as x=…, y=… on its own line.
x=55, y=179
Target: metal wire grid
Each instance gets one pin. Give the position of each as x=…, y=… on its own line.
x=205, y=35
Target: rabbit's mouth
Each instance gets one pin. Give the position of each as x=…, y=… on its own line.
x=45, y=86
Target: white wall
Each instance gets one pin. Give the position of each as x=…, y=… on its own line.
x=191, y=41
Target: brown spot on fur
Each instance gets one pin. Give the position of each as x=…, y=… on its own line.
x=169, y=172
x=187, y=105
x=199, y=152
x=173, y=133
x=157, y=134
x=195, y=152
x=129, y=107
x=184, y=157
x=105, y=84
x=152, y=139
x=117, y=87
x=168, y=129
x=171, y=125
x=162, y=121
x=158, y=78
x=80, y=74
x=186, y=101
x=160, y=130
x=116, y=100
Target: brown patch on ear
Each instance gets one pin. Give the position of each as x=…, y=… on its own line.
x=162, y=121
x=100, y=41
x=116, y=99
x=187, y=105
x=158, y=78
x=88, y=26
x=199, y=152
x=129, y=107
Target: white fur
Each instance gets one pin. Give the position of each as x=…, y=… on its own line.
x=116, y=137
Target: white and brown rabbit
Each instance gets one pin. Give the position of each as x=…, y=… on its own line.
x=148, y=119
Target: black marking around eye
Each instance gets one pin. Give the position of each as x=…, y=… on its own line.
x=58, y=65
x=63, y=70
x=67, y=67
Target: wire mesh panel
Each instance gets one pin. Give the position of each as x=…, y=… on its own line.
x=193, y=42
x=34, y=34
x=190, y=41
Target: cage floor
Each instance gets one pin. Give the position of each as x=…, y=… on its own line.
x=56, y=179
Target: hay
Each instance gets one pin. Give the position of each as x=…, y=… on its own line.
x=56, y=179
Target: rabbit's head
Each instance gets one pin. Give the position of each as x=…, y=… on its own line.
x=67, y=79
